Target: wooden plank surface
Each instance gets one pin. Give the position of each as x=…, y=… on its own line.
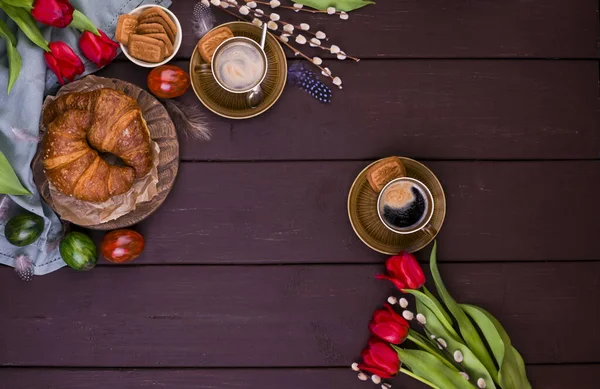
x=423, y=109
x=272, y=316
x=223, y=213
x=450, y=28
x=541, y=377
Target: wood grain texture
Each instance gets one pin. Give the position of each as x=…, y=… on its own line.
x=272, y=316
x=448, y=28
x=295, y=212
x=419, y=109
x=542, y=377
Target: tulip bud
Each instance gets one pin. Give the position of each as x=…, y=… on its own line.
x=101, y=50
x=380, y=359
x=56, y=13
x=389, y=326
x=63, y=61
x=404, y=271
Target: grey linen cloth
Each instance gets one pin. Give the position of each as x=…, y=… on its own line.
x=19, y=119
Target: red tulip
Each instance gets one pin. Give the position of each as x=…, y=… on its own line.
x=404, y=271
x=56, y=13
x=389, y=326
x=63, y=61
x=101, y=50
x=379, y=358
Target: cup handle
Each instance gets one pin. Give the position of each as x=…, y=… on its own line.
x=430, y=230
x=202, y=68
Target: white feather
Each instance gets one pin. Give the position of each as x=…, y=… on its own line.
x=189, y=119
x=23, y=135
x=203, y=20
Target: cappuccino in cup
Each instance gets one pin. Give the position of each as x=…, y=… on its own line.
x=239, y=64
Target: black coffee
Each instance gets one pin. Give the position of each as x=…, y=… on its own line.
x=403, y=205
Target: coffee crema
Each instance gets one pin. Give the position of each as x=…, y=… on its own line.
x=403, y=205
x=239, y=66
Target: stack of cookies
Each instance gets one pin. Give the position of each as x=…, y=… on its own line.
x=149, y=36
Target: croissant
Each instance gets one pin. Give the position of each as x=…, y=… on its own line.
x=82, y=124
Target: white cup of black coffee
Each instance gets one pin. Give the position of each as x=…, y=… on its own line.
x=405, y=205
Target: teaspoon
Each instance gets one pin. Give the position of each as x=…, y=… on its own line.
x=256, y=95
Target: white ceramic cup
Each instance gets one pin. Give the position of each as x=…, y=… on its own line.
x=423, y=223
x=228, y=42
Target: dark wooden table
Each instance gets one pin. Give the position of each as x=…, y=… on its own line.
x=253, y=278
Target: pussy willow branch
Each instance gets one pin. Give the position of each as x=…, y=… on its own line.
x=324, y=71
x=297, y=29
x=298, y=52
x=312, y=11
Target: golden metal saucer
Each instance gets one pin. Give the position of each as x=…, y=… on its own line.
x=233, y=105
x=362, y=211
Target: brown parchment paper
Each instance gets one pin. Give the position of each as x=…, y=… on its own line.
x=86, y=213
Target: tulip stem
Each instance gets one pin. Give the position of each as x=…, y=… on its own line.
x=426, y=345
x=416, y=377
x=445, y=351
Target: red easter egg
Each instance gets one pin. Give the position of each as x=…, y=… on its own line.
x=122, y=245
x=168, y=81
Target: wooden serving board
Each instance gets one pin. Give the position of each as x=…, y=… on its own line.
x=162, y=131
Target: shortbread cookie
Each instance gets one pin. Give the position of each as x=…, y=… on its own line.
x=384, y=171
x=125, y=27
x=145, y=48
x=150, y=28
x=209, y=42
x=165, y=39
x=161, y=21
x=159, y=12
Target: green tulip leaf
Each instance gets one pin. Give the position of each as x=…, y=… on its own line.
x=428, y=367
x=7, y=34
x=14, y=58
x=473, y=366
x=26, y=23
x=14, y=65
x=434, y=306
x=426, y=345
x=512, y=369
x=27, y=4
x=9, y=183
x=83, y=23
x=466, y=328
x=340, y=5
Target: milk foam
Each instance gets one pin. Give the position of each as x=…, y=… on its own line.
x=239, y=66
